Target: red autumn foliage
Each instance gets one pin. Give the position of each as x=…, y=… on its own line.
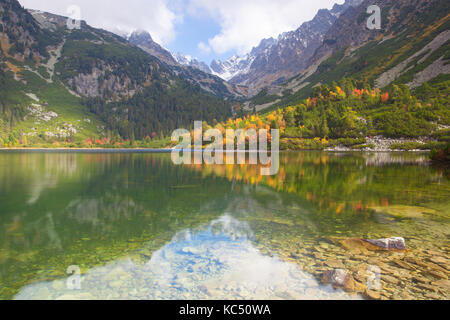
x=358, y=92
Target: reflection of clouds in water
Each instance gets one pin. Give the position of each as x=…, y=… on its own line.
x=217, y=263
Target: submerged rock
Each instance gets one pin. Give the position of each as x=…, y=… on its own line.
x=335, y=277
x=401, y=211
x=342, y=279
x=333, y=263
x=389, y=279
x=362, y=246
x=374, y=295
x=396, y=243
x=443, y=284
x=439, y=260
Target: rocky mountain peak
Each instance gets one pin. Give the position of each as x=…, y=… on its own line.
x=144, y=40
x=189, y=61
x=141, y=37
x=275, y=60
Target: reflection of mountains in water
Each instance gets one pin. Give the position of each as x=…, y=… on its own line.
x=218, y=262
x=125, y=199
x=380, y=159
x=225, y=225
x=100, y=212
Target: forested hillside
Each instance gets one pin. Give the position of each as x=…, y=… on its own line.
x=87, y=86
x=351, y=114
x=67, y=85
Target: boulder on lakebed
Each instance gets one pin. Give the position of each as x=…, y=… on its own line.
x=363, y=245
x=396, y=243
x=342, y=279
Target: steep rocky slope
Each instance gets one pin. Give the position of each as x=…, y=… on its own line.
x=144, y=40
x=410, y=48
x=192, y=62
x=197, y=73
x=276, y=60
x=91, y=81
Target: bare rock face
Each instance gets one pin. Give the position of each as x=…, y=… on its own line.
x=396, y=243
x=143, y=40
x=275, y=60
x=188, y=68
x=192, y=62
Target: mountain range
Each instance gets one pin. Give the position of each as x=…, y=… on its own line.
x=271, y=65
x=276, y=60
x=190, y=69
x=273, y=60
x=412, y=48
x=71, y=84
x=94, y=75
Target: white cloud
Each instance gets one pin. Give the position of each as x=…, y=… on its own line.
x=204, y=48
x=245, y=23
x=158, y=17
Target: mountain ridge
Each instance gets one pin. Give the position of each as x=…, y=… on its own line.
x=72, y=84
x=275, y=60
x=190, y=69
x=394, y=54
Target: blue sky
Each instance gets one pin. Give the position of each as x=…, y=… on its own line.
x=193, y=31
x=205, y=29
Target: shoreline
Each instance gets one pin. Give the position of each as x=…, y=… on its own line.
x=88, y=149
x=375, y=144
x=166, y=150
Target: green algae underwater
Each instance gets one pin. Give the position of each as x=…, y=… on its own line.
x=140, y=227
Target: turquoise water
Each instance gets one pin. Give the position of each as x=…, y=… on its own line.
x=139, y=227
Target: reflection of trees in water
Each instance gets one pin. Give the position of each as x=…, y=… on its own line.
x=116, y=206
x=116, y=189
x=344, y=182
x=118, y=199
x=113, y=198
